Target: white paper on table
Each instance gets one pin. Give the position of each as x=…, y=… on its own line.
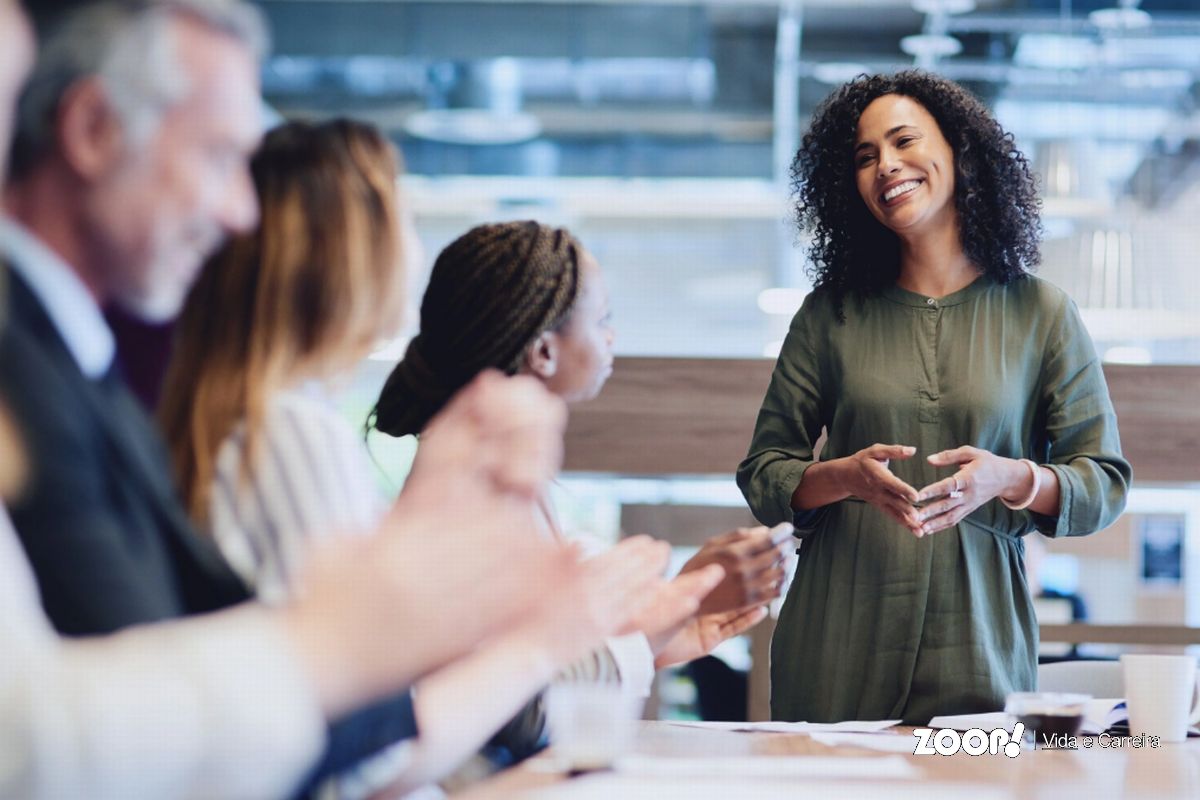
x=848, y=726
x=890, y=743
x=889, y=767
x=1098, y=716
x=962, y=722
x=708, y=724
x=606, y=786
x=1102, y=713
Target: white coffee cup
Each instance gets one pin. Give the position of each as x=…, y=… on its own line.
x=590, y=724
x=1163, y=695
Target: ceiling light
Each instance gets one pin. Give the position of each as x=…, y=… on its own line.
x=1125, y=18
x=473, y=126
x=944, y=6
x=478, y=102
x=930, y=45
x=1171, y=79
x=1055, y=51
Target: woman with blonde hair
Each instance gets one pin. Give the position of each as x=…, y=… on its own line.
x=266, y=463
x=275, y=316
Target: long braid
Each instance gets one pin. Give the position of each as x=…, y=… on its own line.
x=492, y=292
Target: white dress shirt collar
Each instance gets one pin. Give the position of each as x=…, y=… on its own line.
x=66, y=299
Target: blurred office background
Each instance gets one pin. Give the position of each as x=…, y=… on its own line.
x=662, y=133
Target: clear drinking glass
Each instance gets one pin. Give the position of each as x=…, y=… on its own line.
x=590, y=724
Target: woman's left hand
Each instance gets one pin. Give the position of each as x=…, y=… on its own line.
x=675, y=605
x=704, y=632
x=981, y=477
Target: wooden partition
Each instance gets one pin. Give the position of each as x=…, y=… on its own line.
x=1175, y=636
x=684, y=416
x=688, y=416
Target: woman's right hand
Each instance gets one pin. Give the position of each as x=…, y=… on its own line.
x=755, y=561
x=865, y=475
x=606, y=596
x=674, y=605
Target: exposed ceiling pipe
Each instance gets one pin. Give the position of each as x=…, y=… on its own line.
x=690, y=81
x=1162, y=23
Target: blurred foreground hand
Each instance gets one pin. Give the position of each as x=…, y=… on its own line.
x=457, y=559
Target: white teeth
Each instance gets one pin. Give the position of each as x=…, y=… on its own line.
x=903, y=188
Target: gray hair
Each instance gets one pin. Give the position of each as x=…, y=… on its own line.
x=130, y=47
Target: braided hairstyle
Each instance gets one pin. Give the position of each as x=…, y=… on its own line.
x=491, y=293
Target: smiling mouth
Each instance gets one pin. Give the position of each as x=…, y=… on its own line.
x=899, y=192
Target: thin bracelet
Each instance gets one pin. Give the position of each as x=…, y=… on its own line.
x=1033, y=493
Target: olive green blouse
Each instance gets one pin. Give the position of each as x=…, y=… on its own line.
x=879, y=624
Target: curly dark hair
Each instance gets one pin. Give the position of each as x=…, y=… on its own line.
x=851, y=253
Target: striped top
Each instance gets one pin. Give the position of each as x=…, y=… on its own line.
x=314, y=479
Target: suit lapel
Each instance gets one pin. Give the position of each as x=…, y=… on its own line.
x=105, y=399
x=132, y=441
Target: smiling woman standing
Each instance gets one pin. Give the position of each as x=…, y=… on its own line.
x=964, y=407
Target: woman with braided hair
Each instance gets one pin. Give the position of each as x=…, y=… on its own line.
x=520, y=297
x=527, y=298
x=925, y=334
x=268, y=465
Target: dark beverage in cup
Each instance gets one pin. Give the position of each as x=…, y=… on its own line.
x=1050, y=718
x=1049, y=726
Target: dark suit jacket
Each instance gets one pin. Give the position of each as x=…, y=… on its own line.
x=101, y=521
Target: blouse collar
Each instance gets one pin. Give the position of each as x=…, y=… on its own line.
x=905, y=297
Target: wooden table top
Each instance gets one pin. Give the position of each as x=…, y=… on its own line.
x=1111, y=768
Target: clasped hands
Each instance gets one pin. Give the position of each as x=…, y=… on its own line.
x=981, y=477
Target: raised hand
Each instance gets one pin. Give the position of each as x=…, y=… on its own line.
x=457, y=559
x=503, y=433
x=754, y=560
x=981, y=477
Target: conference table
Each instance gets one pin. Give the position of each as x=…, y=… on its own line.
x=670, y=760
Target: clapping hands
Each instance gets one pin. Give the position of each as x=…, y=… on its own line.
x=755, y=564
x=740, y=572
x=457, y=559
